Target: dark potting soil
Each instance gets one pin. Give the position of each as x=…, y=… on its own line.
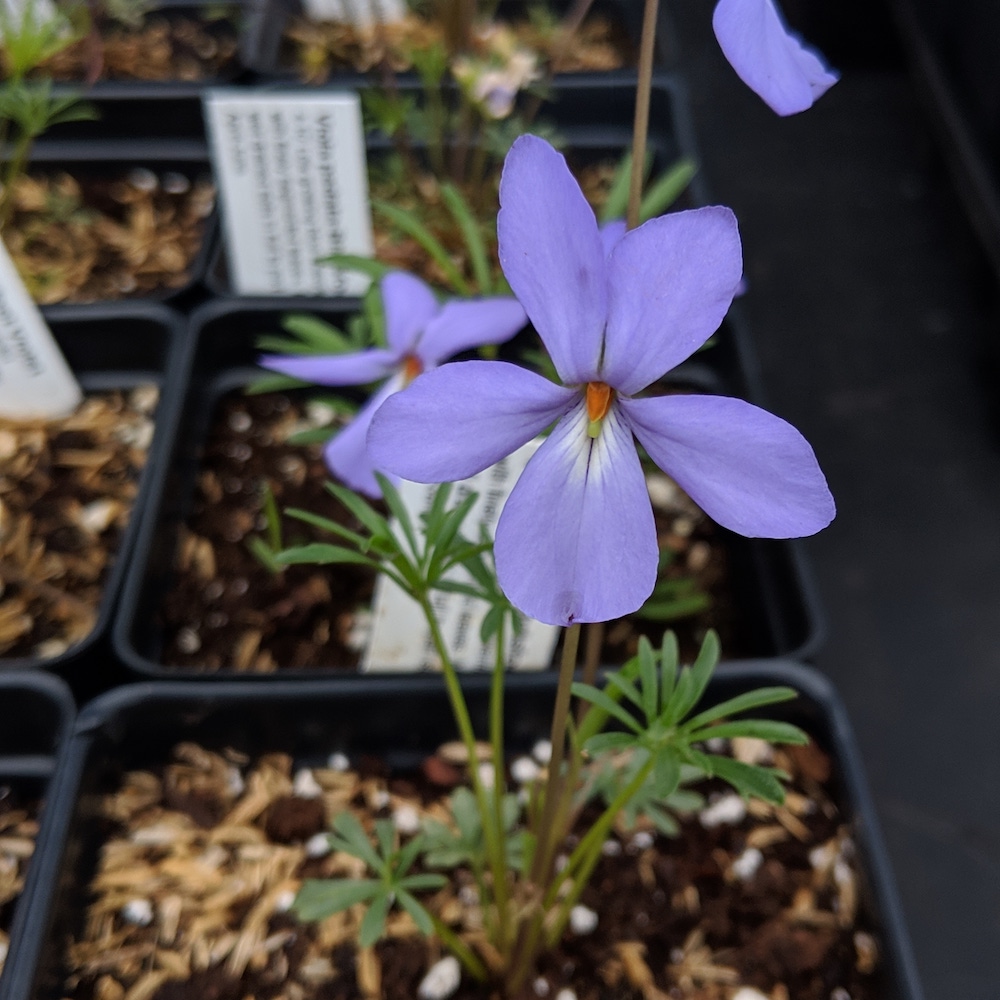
x=224, y=609
x=202, y=858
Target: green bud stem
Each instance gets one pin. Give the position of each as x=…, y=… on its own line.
x=640, y=128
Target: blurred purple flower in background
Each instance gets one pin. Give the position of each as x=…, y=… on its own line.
x=576, y=541
x=768, y=58
x=420, y=333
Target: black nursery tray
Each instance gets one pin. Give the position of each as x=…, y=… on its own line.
x=36, y=714
x=117, y=346
x=771, y=607
x=136, y=728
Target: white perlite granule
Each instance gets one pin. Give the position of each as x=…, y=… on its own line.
x=442, y=979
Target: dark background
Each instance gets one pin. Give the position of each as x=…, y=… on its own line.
x=875, y=318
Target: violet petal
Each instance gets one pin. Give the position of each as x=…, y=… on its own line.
x=611, y=233
x=551, y=253
x=346, y=453
x=334, y=369
x=746, y=468
x=671, y=282
x=457, y=420
x=409, y=305
x=576, y=541
x=768, y=58
x=465, y=323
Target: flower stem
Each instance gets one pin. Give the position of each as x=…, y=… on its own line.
x=500, y=893
x=641, y=127
x=493, y=841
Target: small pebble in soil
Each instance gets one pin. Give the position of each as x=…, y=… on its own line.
x=406, y=819
x=663, y=492
x=487, y=775
x=611, y=848
x=641, y=841
x=235, y=784
x=283, y=903
x=749, y=993
x=542, y=751
x=840, y=993
x=318, y=845
x=442, y=979
x=188, y=640
x=751, y=750
x=566, y=994
x=582, y=920
x=728, y=809
x=174, y=183
x=747, y=864
x=524, y=770
x=240, y=421
x=541, y=987
x=138, y=912
x=380, y=799
x=338, y=762
x=717, y=744
x=142, y=179
x=305, y=785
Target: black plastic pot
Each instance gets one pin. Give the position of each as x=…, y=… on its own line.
x=136, y=727
x=115, y=158
x=776, y=609
x=118, y=346
x=164, y=111
x=270, y=61
x=593, y=114
x=36, y=715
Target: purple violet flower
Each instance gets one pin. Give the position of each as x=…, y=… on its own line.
x=421, y=333
x=768, y=58
x=576, y=541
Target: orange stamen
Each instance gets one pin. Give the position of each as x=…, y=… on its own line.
x=412, y=367
x=598, y=400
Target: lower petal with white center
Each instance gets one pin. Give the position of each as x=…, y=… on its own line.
x=576, y=541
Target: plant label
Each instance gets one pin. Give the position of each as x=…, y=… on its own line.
x=360, y=13
x=400, y=641
x=35, y=381
x=293, y=188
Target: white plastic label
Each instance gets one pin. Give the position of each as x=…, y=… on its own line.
x=360, y=13
x=35, y=381
x=400, y=641
x=293, y=187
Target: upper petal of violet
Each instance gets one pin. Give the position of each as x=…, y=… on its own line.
x=768, y=58
x=457, y=420
x=334, y=369
x=465, y=323
x=670, y=283
x=409, y=305
x=551, y=253
x=747, y=469
x=576, y=541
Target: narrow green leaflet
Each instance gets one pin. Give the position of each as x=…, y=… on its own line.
x=319, y=898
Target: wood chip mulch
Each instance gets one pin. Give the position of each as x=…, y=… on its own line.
x=203, y=857
x=162, y=48
x=78, y=238
x=318, y=48
x=18, y=829
x=66, y=493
